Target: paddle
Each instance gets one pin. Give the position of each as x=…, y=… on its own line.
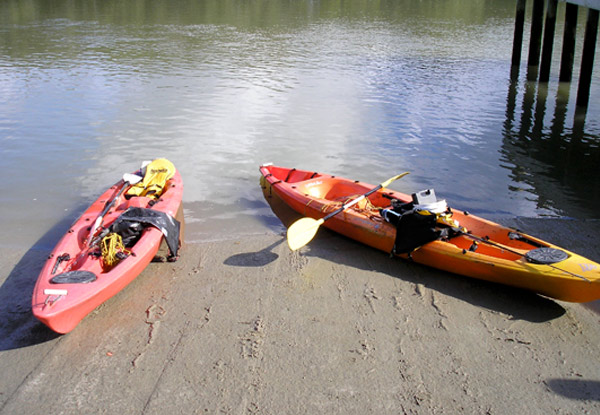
x=304, y=230
x=128, y=179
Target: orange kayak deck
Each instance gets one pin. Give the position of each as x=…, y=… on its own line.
x=62, y=306
x=500, y=252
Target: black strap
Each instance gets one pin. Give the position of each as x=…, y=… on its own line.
x=289, y=175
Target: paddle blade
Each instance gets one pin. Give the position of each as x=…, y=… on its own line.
x=131, y=178
x=393, y=179
x=302, y=232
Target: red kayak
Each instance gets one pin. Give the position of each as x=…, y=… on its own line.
x=109, y=245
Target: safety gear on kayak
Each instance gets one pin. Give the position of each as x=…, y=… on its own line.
x=156, y=174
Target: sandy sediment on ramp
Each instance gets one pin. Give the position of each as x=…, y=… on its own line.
x=247, y=327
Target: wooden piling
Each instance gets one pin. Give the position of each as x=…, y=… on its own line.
x=518, y=40
x=587, y=59
x=568, y=51
x=535, y=39
x=549, y=29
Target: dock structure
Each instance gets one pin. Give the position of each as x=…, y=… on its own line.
x=540, y=70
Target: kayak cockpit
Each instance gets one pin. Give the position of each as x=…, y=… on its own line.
x=291, y=175
x=331, y=189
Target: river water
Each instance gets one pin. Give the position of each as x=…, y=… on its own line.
x=359, y=88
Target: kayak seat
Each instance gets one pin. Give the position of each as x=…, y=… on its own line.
x=337, y=190
x=139, y=201
x=156, y=175
x=74, y=277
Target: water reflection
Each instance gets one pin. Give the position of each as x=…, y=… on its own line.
x=557, y=164
x=358, y=88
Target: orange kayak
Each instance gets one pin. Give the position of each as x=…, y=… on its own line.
x=80, y=273
x=450, y=240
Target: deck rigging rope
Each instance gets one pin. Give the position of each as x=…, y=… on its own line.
x=113, y=250
x=365, y=207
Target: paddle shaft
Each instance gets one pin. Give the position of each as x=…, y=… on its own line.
x=100, y=218
x=303, y=230
x=352, y=203
x=97, y=223
x=364, y=196
x=512, y=251
x=112, y=201
x=127, y=180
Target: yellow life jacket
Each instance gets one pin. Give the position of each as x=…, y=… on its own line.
x=155, y=177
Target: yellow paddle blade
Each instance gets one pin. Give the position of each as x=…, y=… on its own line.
x=393, y=179
x=302, y=232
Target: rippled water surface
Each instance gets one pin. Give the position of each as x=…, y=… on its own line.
x=361, y=88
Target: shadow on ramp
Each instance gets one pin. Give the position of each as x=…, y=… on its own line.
x=18, y=327
x=577, y=389
x=254, y=259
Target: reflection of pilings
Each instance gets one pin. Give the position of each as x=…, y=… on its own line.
x=527, y=110
x=539, y=149
x=540, y=111
x=560, y=112
x=547, y=47
x=511, y=103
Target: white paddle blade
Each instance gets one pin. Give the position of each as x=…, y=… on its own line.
x=97, y=223
x=302, y=232
x=131, y=178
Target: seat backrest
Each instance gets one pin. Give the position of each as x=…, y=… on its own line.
x=156, y=175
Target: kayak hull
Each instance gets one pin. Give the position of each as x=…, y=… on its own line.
x=501, y=260
x=62, y=306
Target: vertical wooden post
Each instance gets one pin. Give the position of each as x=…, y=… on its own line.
x=535, y=40
x=518, y=40
x=587, y=60
x=568, y=51
x=547, y=46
